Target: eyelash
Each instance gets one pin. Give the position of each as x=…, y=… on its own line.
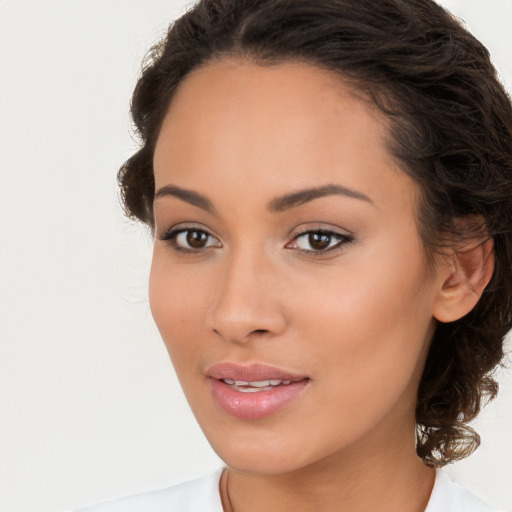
x=170, y=238
x=343, y=240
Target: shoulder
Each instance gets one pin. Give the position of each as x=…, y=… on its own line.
x=449, y=496
x=201, y=494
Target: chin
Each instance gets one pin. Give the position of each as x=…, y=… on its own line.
x=256, y=453
x=261, y=462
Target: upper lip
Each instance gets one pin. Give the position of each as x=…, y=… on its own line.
x=250, y=372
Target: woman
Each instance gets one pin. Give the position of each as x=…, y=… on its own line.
x=329, y=185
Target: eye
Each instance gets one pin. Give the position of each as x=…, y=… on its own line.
x=321, y=241
x=190, y=239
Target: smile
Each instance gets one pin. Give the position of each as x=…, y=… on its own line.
x=254, y=392
x=255, y=386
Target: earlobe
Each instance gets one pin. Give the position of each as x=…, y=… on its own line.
x=466, y=278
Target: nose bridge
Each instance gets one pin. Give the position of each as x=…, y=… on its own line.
x=246, y=300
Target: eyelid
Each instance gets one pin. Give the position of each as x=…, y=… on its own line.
x=169, y=237
x=344, y=239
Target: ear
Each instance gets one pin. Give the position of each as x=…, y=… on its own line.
x=468, y=272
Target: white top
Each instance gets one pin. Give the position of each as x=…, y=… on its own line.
x=202, y=495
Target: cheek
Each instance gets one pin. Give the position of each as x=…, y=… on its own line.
x=369, y=325
x=175, y=300
x=364, y=334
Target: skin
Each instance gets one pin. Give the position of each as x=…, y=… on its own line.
x=357, y=321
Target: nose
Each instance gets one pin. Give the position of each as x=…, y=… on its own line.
x=247, y=304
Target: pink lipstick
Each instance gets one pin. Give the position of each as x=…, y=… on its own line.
x=255, y=391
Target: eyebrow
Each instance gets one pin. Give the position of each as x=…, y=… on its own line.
x=189, y=196
x=293, y=199
x=279, y=204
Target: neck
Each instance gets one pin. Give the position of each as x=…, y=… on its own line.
x=357, y=479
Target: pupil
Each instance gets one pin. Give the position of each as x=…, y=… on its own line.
x=319, y=241
x=196, y=239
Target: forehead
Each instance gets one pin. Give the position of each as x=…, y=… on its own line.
x=282, y=126
x=242, y=79
x=267, y=97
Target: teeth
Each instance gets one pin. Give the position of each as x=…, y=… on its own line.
x=259, y=383
x=255, y=385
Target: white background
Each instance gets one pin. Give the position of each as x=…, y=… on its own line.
x=90, y=408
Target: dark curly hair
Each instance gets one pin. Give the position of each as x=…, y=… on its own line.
x=451, y=132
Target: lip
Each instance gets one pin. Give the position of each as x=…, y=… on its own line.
x=250, y=372
x=255, y=405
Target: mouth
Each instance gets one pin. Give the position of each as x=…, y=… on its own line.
x=255, y=372
x=257, y=386
x=254, y=391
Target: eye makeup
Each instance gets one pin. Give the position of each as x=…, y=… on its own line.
x=315, y=242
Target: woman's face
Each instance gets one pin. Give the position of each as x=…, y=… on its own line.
x=287, y=249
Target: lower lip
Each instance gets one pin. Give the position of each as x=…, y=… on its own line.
x=254, y=406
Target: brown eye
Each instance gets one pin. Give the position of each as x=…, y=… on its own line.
x=190, y=240
x=196, y=239
x=319, y=241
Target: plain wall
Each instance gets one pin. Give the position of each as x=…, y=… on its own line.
x=90, y=408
